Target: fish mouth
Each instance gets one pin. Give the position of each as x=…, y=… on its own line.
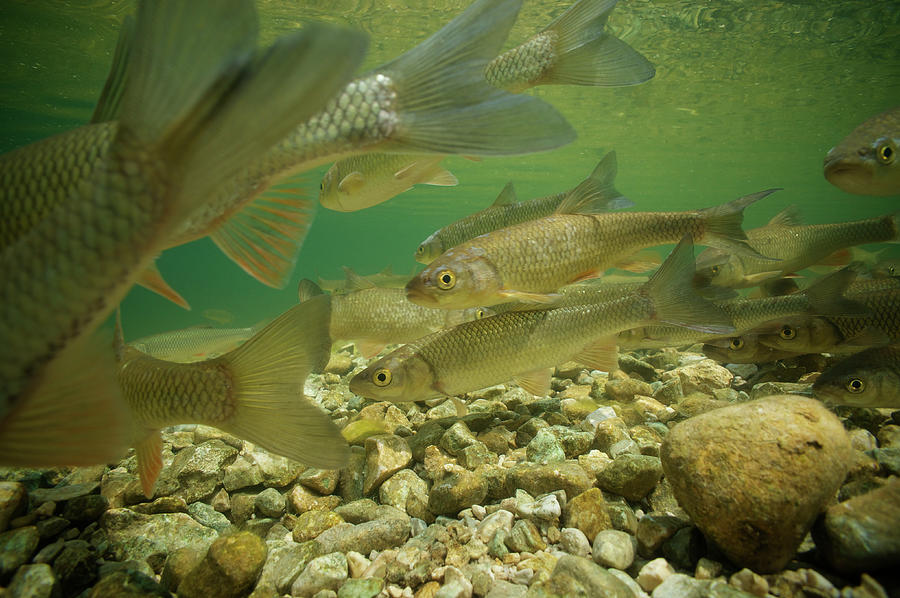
x=415, y=294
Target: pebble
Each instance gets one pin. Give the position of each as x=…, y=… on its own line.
x=312, y=523
x=613, y=548
x=270, y=503
x=625, y=390
x=573, y=541
x=205, y=514
x=456, y=490
x=16, y=548
x=524, y=537
x=545, y=448
x=750, y=582
x=379, y=534
x=12, y=502
x=588, y=513
x=241, y=474
x=140, y=537
x=579, y=576
x=385, y=456
x=34, y=581
x=631, y=476
x=323, y=481
x=284, y=562
x=753, y=476
x=654, y=573
x=701, y=376
x=326, y=572
x=231, y=567
x=541, y=479
x=361, y=588
x=76, y=566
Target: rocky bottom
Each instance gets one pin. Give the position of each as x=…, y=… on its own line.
x=572, y=495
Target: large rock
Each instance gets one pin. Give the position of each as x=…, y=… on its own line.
x=578, y=576
x=753, y=476
x=139, y=537
x=230, y=569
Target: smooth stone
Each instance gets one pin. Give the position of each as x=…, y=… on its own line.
x=684, y=586
x=178, y=565
x=16, y=547
x=500, y=519
x=327, y=572
x=140, y=537
x=34, y=581
x=385, y=456
x=543, y=508
x=631, y=476
x=62, y=493
x=377, y=535
x=545, y=448
x=284, y=562
x=242, y=473
x=128, y=583
x=387, y=414
x=277, y=471
x=613, y=548
x=654, y=529
x=539, y=479
x=524, y=537
x=303, y=500
x=361, y=588
x=397, y=490
x=12, y=502
x=312, y=523
x=702, y=376
x=579, y=576
x=230, y=569
x=625, y=390
x=323, y=481
x=654, y=573
x=456, y=438
x=753, y=476
x=476, y=455
x=196, y=471
x=270, y=503
x=587, y=512
x=358, y=511
x=573, y=541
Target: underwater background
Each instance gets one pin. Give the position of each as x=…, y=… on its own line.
x=748, y=95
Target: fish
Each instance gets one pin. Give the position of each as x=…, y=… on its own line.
x=745, y=348
x=529, y=261
x=795, y=246
x=385, y=278
x=524, y=345
x=870, y=378
x=506, y=211
x=886, y=268
x=374, y=317
x=193, y=344
x=865, y=162
x=254, y=392
x=366, y=180
x=191, y=112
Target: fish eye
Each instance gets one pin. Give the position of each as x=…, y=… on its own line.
x=736, y=344
x=382, y=377
x=322, y=185
x=788, y=333
x=891, y=270
x=885, y=153
x=446, y=279
x=715, y=269
x=855, y=385
x=479, y=313
x=420, y=249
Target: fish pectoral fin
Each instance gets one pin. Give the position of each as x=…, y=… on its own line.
x=152, y=280
x=536, y=382
x=601, y=354
x=507, y=196
x=752, y=279
x=841, y=257
x=264, y=237
x=587, y=275
x=370, y=349
x=149, y=459
x=527, y=297
x=72, y=414
x=353, y=182
x=642, y=261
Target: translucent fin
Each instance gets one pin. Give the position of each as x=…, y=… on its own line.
x=602, y=354
x=441, y=177
x=269, y=371
x=870, y=336
x=355, y=282
x=208, y=103
x=507, y=196
x=152, y=280
x=674, y=299
x=352, y=182
x=107, y=108
x=595, y=193
x=307, y=289
x=641, y=261
x=841, y=257
x=528, y=297
x=722, y=225
x=790, y=216
x=826, y=296
x=149, y=459
x=588, y=55
x=536, y=382
x=265, y=236
x=444, y=104
x=369, y=348
x=73, y=413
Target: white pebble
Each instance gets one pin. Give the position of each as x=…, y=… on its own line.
x=654, y=573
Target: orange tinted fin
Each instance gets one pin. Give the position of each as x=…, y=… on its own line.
x=642, y=261
x=369, y=349
x=72, y=414
x=149, y=460
x=587, y=275
x=600, y=355
x=536, y=382
x=841, y=257
x=152, y=280
x=264, y=237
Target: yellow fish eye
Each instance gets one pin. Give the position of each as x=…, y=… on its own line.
x=446, y=279
x=855, y=385
x=479, y=313
x=788, y=333
x=715, y=269
x=382, y=377
x=885, y=152
x=736, y=344
x=420, y=249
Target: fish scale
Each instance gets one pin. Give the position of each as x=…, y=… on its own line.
x=885, y=309
x=523, y=66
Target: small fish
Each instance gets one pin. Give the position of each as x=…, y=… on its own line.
x=193, y=344
x=220, y=316
x=363, y=181
x=529, y=261
x=506, y=211
x=524, y=345
x=254, y=392
x=865, y=162
x=886, y=268
x=870, y=378
x=188, y=115
x=745, y=348
x=795, y=246
x=374, y=317
x=386, y=279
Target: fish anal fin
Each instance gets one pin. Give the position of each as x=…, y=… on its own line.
x=149, y=459
x=601, y=354
x=352, y=182
x=536, y=382
x=587, y=275
x=757, y=278
x=151, y=279
x=841, y=257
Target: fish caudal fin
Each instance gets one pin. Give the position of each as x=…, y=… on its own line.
x=445, y=105
x=209, y=103
x=586, y=54
x=74, y=414
x=722, y=225
x=269, y=371
x=675, y=301
x=265, y=236
x=152, y=280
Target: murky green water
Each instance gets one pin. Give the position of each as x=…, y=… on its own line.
x=748, y=95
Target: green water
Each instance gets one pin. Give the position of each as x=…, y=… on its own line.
x=748, y=95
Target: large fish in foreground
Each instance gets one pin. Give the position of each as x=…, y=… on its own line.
x=525, y=345
x=254, y=392
x=870, y=378
x=531, y=260
x=865, y=162
x=195, y=109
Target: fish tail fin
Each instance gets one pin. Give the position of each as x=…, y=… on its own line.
x=587, y=54
x=152, y=280
x=208, y=104
x=826, y=295
x=268, y=373
x=675, y=301
x=73, y=414
x=597, y=193
x=722, y=225
x=445, y=105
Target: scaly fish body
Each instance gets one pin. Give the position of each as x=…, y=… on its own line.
x=743, y=349
x=865, y=162
x=796, y=248
x=192, y=344
x=531, y=260
x=870, y=378
x=386, y=279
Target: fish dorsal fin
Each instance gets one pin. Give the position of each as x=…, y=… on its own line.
x=507, y=196
x=307, y=289
x=790, y=216
x=596, y=193
x=536, y=382
x=264, y=237
x=442, y=178
x=355, y=282
x=601, y=354
x=387, y=270
x=107, y=108
x=352, y=182
x=151, y=279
